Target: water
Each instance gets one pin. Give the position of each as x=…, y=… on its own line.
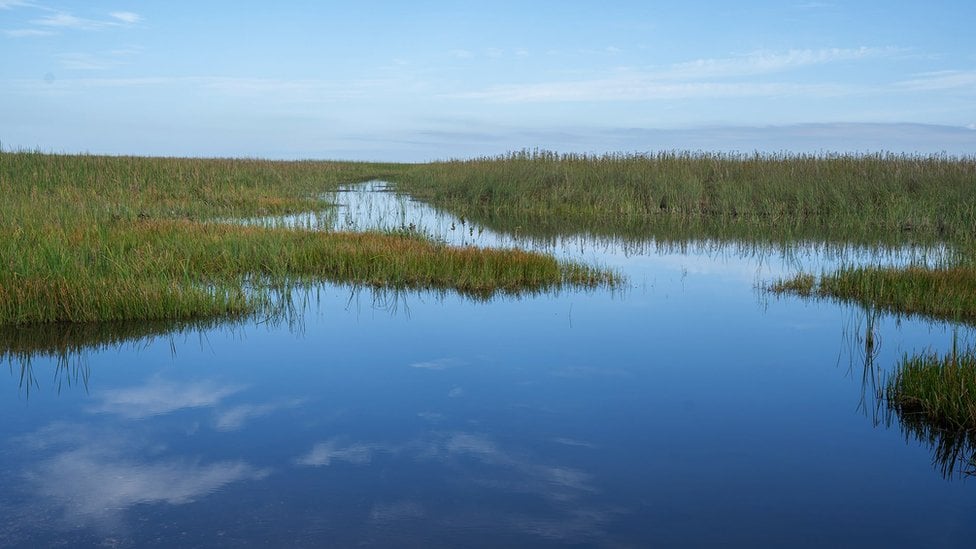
x=688, y=409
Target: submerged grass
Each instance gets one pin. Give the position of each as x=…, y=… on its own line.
x=92, y=238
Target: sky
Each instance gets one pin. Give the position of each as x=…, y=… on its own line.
x=424, y=80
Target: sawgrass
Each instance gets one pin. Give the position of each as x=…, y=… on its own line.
x=944, y=292
x=95, y=238
x=865, y=199
x=941, y=389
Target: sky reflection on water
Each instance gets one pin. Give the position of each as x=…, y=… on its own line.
x=689, y=409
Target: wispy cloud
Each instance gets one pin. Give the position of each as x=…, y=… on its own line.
x=400, y=510
x=90, y=483
x=162, y=397
x=477, y=460
x=324, y=453
x=437, y=364
x=88, y=62
x=814, y=5
x=642, y=88
x=700, y=78
x=26, y=33
x=68, y=21
x=765, y=62
x=65, y=20
x=234, y=418
x=94, y=477
x=941, y=80
x=126, y=17
x=553, y=481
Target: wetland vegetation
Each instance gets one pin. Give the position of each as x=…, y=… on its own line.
x=93, y=238
x=318, y=382
x=879, y=199
x=90, y=238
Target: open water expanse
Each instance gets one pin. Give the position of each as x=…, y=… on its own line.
x=688, y=409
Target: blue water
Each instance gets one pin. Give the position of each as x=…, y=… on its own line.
x=688, y=409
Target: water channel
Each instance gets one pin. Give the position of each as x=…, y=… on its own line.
x=689, y=408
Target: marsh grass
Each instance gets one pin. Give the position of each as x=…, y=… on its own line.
x=945, y=292
x=90, y=238
x=880, y=201
x=865, y=199
x=934, y=397
x=941, y=388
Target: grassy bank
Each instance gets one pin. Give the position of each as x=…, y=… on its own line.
x=875, y=199
x=89, y=238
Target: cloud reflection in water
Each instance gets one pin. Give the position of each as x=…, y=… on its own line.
x=95, y=476
x=158, y=397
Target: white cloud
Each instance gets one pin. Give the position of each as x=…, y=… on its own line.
x=162, y=397
x=764, y=62
x=461, y=54
x=556, y=482
x=437, y=364
x=87, y=62
x=234, y=418
x=941, y=80
x=126, y=17
x=477, y=460
x=400, y=510
x=700, y=78
x=10, y=4
x=95, y=477
x=68, y=21
x=323, y=453
x=642, y=88
x=478, y=445
x=65, y=20
x=90, y=484
x=814, y=5
x=25, y=33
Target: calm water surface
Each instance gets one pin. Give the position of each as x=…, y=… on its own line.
x=687, y=409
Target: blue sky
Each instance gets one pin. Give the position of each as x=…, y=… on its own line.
x=424, y=80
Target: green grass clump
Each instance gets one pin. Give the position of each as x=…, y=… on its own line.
x=90, y=238
x=939, y=389
x=801, y=284
x=943, y=292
